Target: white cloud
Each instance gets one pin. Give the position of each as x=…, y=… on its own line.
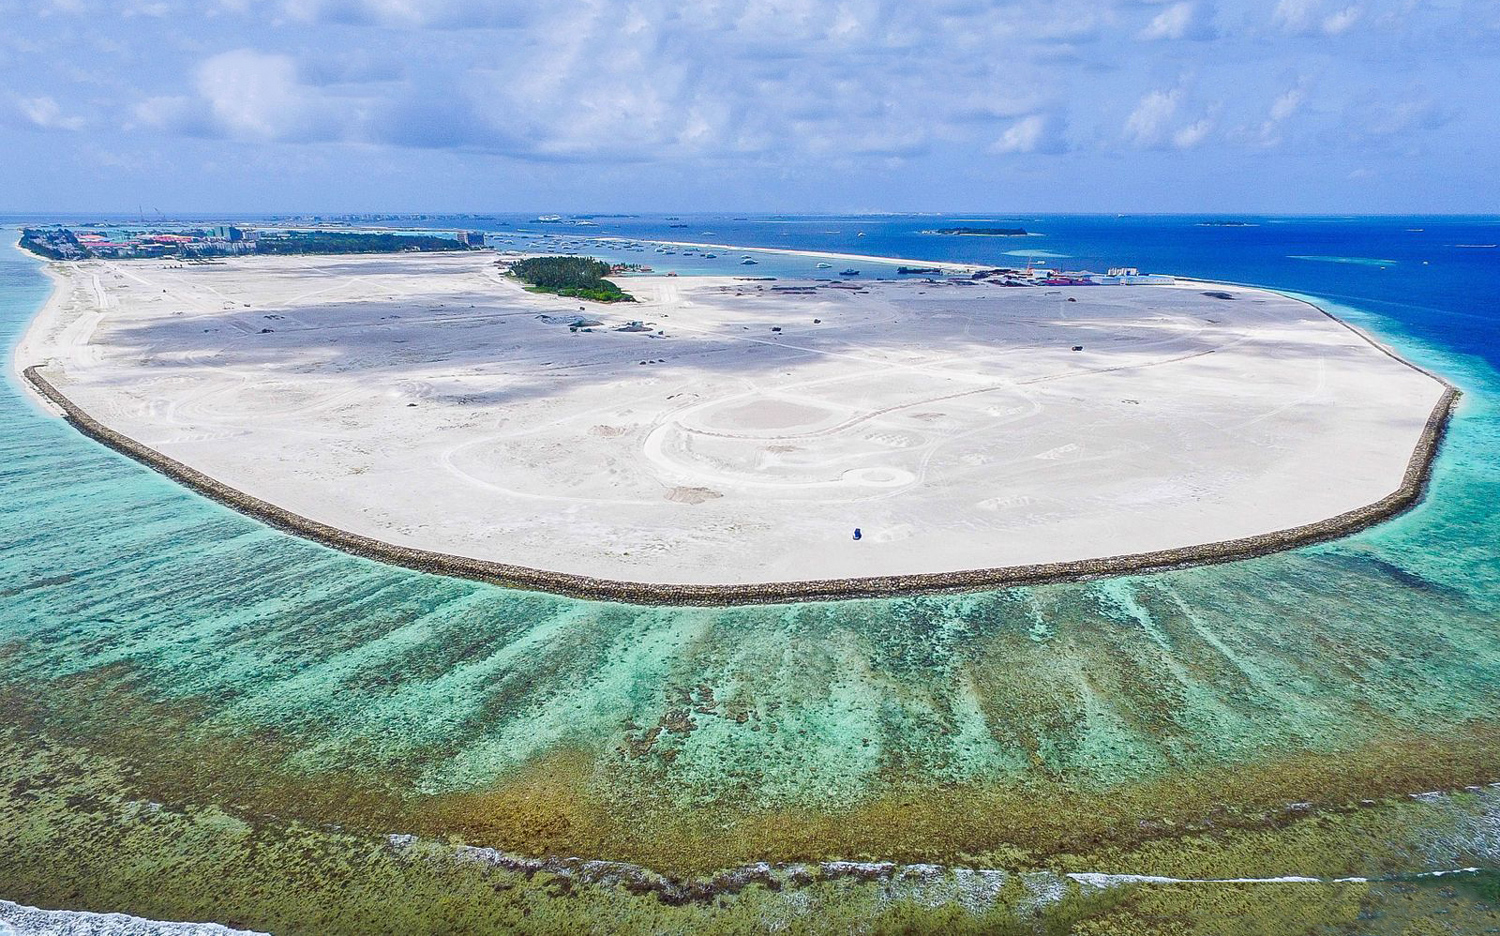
x=399, y=14
x=44, y=112
x=1295, y=15
x=1193, y=134
x=257, y=96
x=1336, y=23
x=1178, y=21
x=1399, y=118
x=1310, y=16
x=1147, y=124
x=251, y=94
x=1155, y=122
x=153, y=8
x=1036, y=133
x=166, y=112
x=1288, y=103
x=784, y=84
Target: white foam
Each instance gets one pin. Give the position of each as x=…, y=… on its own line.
x=19, y=920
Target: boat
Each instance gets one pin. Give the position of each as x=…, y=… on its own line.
x=748, y=262
x=825, y=266
x=710, y=256
x=849, y=272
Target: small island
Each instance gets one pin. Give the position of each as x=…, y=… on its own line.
x=574, y=277
x=980, y=232
x=60, y=243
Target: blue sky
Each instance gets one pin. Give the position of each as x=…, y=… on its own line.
x=778, y=105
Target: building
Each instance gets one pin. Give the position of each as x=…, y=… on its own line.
x=1130, y=276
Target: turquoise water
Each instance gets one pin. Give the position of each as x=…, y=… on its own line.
x=1361, y=261
x=444, y=685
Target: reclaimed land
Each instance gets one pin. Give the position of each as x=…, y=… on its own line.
x=1410, y=493
x=1119, y=486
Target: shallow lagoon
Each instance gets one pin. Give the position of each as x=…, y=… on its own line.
x=156, y=648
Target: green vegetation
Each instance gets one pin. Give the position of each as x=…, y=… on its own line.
x=575, y=277
x=329, y=242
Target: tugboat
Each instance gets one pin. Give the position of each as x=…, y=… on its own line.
x=849, y=272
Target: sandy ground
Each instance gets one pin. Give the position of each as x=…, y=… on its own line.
x=423, y=401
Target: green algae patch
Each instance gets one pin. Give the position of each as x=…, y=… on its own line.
x=73, y=834
x=573, y=802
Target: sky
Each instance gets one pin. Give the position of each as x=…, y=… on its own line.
x=815, y=106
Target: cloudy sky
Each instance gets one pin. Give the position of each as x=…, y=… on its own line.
x=750, y=105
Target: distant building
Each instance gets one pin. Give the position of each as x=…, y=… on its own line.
x=1130, y=276
x=471, y=238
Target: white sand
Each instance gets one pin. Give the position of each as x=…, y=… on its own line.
x=951, y=423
